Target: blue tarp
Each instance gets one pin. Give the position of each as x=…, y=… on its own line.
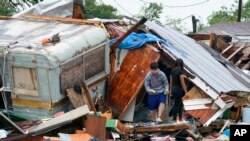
x=135, y=40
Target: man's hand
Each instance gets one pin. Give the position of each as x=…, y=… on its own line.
x=151, y=91
x=166, y=91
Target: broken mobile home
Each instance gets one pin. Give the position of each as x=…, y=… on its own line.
x=37, y=75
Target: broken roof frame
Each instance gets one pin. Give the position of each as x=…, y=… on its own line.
x=214, y=92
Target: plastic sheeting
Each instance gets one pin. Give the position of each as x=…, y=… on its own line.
x=54, y=8
x=135, y=40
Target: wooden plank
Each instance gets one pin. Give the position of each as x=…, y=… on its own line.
x=87, y=97
x=64, y=20
x=226, y=49
x=195, y=93
x=130, y=78
x=247, y=66
x=197, y=101
x=97, y=81
x=195, y=107
x=96, y=122
x=241, y=47
x=59, y=121
x=76, y=99
x=202, y=115
x=162, y=128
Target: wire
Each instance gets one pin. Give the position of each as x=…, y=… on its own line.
x=123, y=8
x=178, y=20
x=180, y=6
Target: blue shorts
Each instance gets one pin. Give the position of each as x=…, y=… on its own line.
x=155, y=100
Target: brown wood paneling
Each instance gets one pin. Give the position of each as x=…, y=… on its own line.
x=96, y=126
x=195, y=93
x=202, y=115
x=130, y=78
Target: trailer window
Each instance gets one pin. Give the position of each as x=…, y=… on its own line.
x=25, y=81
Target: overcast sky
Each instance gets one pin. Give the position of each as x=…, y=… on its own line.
x=201, y=11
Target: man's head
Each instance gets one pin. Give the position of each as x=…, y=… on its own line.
x=154, y=66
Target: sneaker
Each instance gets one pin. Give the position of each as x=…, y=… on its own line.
x=158, y=119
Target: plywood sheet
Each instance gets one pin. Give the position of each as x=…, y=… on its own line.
x=96, y=122
x=203, y=115
x=127, y=82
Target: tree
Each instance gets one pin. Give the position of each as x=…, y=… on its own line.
x=152, y=11
x=6, y=9
x=94, y=10
x=230, y=14
x=9, y=7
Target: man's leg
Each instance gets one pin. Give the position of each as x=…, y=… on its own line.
x=153, y=115
x=161, y=109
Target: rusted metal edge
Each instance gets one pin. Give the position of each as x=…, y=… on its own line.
x=65, y=20
x=5, y=18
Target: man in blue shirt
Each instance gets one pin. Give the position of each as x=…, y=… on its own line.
x=156, y=85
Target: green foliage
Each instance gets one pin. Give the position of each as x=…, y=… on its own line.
x=224, y=15
x=246, y=11
x=230, y=14
x=6, y=9
x=152, y=12
x=94, y=10
x=9, y=7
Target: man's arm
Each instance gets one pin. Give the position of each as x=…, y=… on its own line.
x=146, y=83
x=165, y=82
x=183, y=84
x=171, y=85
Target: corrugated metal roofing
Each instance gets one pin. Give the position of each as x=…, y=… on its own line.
x=199, y=61
x=26, y=35
x=233, y=28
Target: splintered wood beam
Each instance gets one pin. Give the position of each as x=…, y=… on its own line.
x=240, y=48
x=87, y=97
